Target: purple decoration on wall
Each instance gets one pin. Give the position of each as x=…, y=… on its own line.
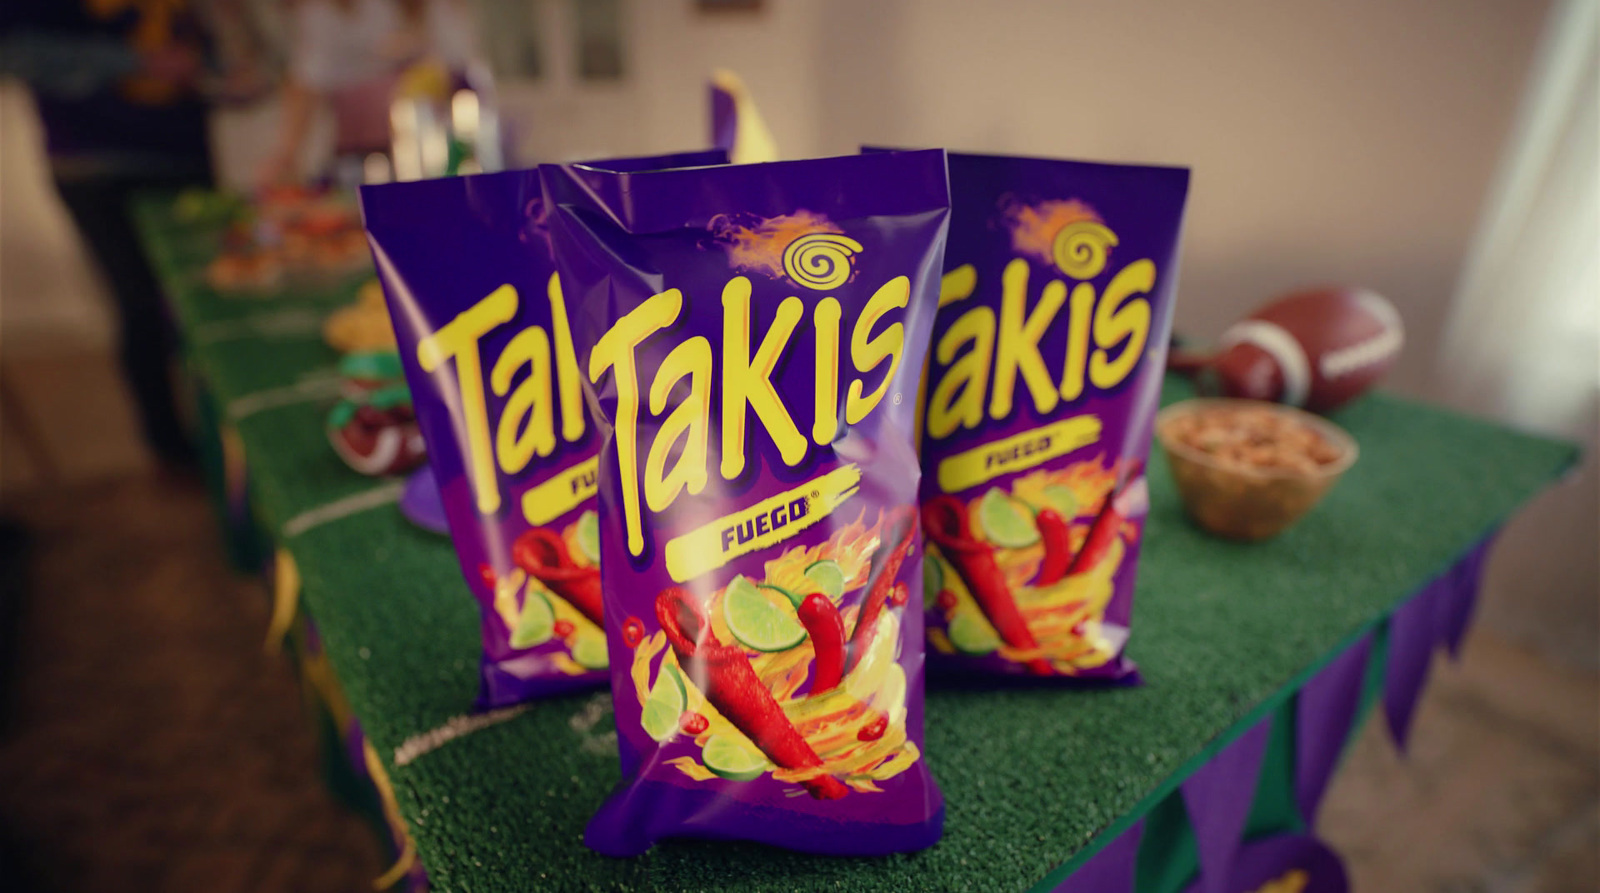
x=1294, y=862
x=1413, y=630
x=1218, y=798
x=1111, y=870
x=1454, y=608
x=724, y=118
x=1324, y=713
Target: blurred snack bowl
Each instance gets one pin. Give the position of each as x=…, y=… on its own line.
x=1247, y=469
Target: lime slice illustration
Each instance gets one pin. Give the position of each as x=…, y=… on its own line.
x=664, y=705
x=932, y=578
x=733, y=758
x=972, y=634
x=589, y=650
x=1063, y=500
x=588, y=535
x=1005, y=521
x=536, y=622
x=794, y=599
x=828, y=577
x=761, y=617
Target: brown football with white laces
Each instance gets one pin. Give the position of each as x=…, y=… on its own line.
x=1317, y=349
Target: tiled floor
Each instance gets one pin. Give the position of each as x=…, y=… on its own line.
x=154, y=745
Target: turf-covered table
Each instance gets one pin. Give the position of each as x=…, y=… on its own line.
x=1036, y=781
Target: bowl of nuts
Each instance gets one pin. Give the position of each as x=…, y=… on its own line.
x=1248, y=470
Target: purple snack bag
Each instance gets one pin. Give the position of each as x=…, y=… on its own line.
x=1044, y=373
x=485, y=340
x=751, y=337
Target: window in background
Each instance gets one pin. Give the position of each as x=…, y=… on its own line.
x=511, y=38
x=598, y=29
x=1522, y=341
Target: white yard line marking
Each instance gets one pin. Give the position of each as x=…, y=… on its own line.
x=455, y=727
x=299, y=321
x=318, y=387
x=343, y=508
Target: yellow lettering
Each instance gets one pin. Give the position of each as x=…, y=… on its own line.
x=825, y=419
x=957, y=401
x=616, y=351
x=690, y=421
x=1077, y=341
x=958, y=284
x=572, y=421
x=458, y=340
x=1018, y=347
x=515, y=442
x=867, y=353
x=1119, y=318
x=747, y=378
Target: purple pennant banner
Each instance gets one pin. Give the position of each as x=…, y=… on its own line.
x=1454, y=608
x=1218, y=798
x=1324, y=712
x=1438, y=615
x=1413, y=631
x=1111, y=870
x=1290, y=863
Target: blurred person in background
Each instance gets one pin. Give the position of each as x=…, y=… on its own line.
x=351, y=56
x=121, y=89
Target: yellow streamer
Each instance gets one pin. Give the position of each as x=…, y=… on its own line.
x=391, y=811
x=285, y=601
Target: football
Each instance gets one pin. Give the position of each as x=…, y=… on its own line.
x=1317, y=349
x=377, y=440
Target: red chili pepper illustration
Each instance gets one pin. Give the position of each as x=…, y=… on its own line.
x=820, y=616
x=1055, y=535
x=1121, y=502
x=693, y=723
x=945, y=520
x=724, y=674
x=632, y=632
x=901, y=525
x=543, y=554
x=874, y=730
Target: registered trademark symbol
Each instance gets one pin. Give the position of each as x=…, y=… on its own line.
x=897, y=398
x=815, y=495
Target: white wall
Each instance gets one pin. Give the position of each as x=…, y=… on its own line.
x=1331, y=141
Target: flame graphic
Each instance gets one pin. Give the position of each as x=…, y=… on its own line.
x=1034, y=227
x=805, y=247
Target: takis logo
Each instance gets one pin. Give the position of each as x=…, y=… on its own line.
x=663, y=432
x=804, y=247
x=984, y=353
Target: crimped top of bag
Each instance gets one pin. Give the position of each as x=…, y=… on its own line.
x=659, y=201
x=408, y=214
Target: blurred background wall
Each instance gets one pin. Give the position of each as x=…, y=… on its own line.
x=1351, y=141
x=1331, y=141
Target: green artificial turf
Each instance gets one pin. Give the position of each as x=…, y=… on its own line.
x=1223, y=633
